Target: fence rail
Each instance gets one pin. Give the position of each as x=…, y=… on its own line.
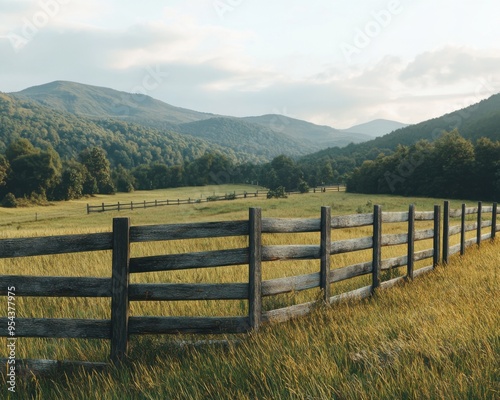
x=121, y=325
x=176, y=202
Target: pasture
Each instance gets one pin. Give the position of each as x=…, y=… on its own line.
x=418, y=340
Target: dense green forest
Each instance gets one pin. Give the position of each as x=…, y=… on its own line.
x=451, y=166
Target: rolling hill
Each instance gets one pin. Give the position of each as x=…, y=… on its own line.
x=375, y=128
x=293, y=137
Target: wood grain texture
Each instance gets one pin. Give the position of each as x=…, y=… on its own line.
x=377, y=246
x=149, y=233
x=424, y=215
x=454, y=230
x=351, y=271
x=59, y=328
x=204, y=259
x=422, y=270
x=176, y=325
x=279, y=225
x=38, y=246
x=56, y=286
x=424, y=254
x=349, y=245
x=437, y=236
x=394, y=240
x=357, y=294
x=287, y=313
x=395, y=262
x=352, y=221
x=325, y=250
x=424, y=234
x=290, y=284
x=291, y=252
x=389, y=217
x=255, y=268
x=187, y=291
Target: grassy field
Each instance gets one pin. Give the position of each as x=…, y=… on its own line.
x=437, y=337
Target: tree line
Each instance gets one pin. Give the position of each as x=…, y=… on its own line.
x=451, y=167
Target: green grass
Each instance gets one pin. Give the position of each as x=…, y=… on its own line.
x=437, y=337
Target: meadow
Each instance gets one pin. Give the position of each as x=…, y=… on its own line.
x=435, y=337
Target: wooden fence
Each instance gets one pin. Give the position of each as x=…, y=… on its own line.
x=121, y=325
x=175, y=202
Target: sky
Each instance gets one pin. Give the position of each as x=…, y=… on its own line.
x=330, y=62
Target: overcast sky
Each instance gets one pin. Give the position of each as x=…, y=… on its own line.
x=332, y=62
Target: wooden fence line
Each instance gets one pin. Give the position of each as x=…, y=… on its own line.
x=121, y=325
x=231, y=196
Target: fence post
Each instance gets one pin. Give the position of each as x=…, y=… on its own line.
x=119, y=287
x=462, y=231
x=446, y=232
x=437, y=235
x=102, y=207
x=131, y=205
x=88, y=208
x=325, y=250
x=494, y=221
x=255, y=268
x=118, y=206
x=377, y=249
x=479, y=221
x=411, y=241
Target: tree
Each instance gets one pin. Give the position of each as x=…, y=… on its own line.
x=71, y=185
x=98, y=166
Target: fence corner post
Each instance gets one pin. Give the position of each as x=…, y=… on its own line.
x=119, y=287
x=437, y=236
x=255, y=269
x=446, y=232
x=325, y=250
x=411, y=242
x=377, y=248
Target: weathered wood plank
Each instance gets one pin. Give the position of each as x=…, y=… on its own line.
x=470, y=242
x=470, y=227
x=392, y=282
x=377, y=246
x=38, y=246
x=471, y=210
x=394, y=262
x=204, y=259
x=422, y=270
x=59, y=328
x=279, y=225
x=454, y=249
x=424, y=234
x=394, y=240
x=176, y=325
x=187, y=291
x=457, y=213
x=485, y=224
x=28, y=367
x=290, y=284
x=350, y=245
x=424, y=254
x=352, y=221
x=454, y=230
x=350, y=271
x=119, y=288
x=56, y=286
x=424, y=215
x=325, y=250
x=394, y=217
x=357, y=294
x=291, y=252
x=287, y=313
x=255, y=269
x=149, y=233
x=487, y=209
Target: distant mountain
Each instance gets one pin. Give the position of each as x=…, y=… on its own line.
x=322, y=135
x=240, y=135
x=264, y=136
x=101, y=102
x=375, y=128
